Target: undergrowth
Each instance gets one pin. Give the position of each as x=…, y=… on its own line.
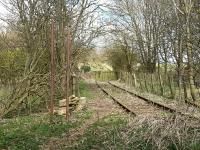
x=30, y=132
x=109, y=133
x=115, y=132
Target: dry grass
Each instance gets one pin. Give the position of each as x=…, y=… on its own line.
x=174, y=132
x=141, y=133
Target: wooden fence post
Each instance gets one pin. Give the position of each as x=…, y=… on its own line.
x=140, y=82
x=152, y=84
x=145, y=82
x=135, y=80
x=74, y=85
x=171, y=86
x=161, y=85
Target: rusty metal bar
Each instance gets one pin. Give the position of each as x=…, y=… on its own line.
x=53, y=71
x=68, y=69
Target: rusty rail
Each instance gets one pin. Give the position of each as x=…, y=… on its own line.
x=192, y=104
x=158, y=105
x=128, y=110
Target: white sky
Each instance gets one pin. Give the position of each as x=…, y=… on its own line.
x=2, y=9
x=3, y=12
x=102, y=41
x=99, y=42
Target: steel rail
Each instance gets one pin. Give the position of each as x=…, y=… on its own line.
x=158, y=105
x=128, y=110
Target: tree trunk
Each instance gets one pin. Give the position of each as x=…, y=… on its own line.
x=190, y=61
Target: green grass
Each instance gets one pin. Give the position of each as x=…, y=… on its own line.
x=83, y=115
x=85, y=91
x=30, y=132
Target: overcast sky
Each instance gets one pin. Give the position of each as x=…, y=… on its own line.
x=3, y=12
x=99, y=42
x=2, y=9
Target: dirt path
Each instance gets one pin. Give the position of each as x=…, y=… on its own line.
x=100, y=105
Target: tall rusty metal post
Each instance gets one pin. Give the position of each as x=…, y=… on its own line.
x=68, y=58
x=68, y=69
x=53, y=71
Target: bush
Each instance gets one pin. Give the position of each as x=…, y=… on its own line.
x=11, y=64
x=85, y=69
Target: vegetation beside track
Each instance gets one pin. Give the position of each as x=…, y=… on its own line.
x=117, y=131
x=85, y=91
x=30, y=132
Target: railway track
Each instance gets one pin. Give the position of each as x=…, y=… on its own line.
x=155, y=103
x=192, y=104
x=116, y=101
x=146, y=106
x=171, y=110
x=130, y=103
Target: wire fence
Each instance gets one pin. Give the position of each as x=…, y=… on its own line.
x=104, y=75
x=167, y=85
